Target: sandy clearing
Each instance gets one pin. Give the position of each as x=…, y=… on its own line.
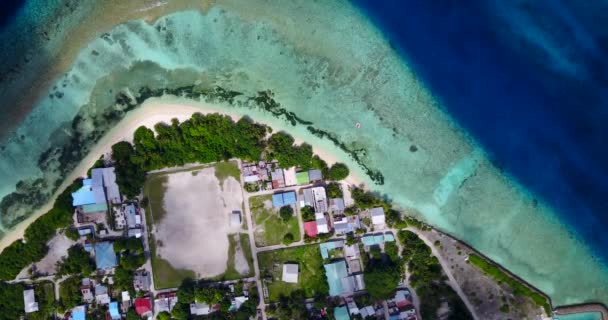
x=156, y=110
x=58, y=248
x=194, y=232
x=240, y=262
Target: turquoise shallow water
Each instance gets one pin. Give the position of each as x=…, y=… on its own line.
x=329, y=65
x=580, y=316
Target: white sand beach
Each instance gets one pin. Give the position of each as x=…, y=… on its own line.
x=156, y=110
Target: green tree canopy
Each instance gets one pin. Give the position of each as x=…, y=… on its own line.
x=334, y=190
x=286, y=213
x=381, y=278
x=339, y=171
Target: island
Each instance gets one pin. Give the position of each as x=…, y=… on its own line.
x=212, y=217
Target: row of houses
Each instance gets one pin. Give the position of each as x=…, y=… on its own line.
x=270, y=176
x=100, y=294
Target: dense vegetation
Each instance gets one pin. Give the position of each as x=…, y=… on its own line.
x=334, y=190
x=131, y=252
x=11, y=301
x=381, y=278
x=204, y=139
x=519, y=288
x=427, y=278
x=78, y=262
x=69, y=293
x=339, y=171
x=20, y=254
x=286, y=213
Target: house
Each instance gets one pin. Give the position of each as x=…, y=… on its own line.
x=316, y=198
x=290, y=177
x=113, y=311
x=125, y=301
x=106, y=177
x=302, y=178
x=165, y=302
x=143, y=306
x=315, y=175
x=290, y=273
x=353, y=283
x=235, y=218
x=200, y=309
x=326, y=247
x=321, y=221
x=377, y=215
x=101, y=295
x=352, y=307
x=105, y=257
x=341, y=313
x=368, y=311
x=134, y=232
x=310, y=228
x=352, y=252
x=85, y=290
x=335, y=272
x=336, y=205
x=255, y=172
x=237, y=302
x=132, y=216
x=29, y=301
x=141, y=280
x=78, y=313
x=278, y=179
x=342, y=226
x=283, y=199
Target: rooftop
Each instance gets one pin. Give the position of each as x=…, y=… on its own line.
x=335, y=272
x=290, y=273
x=283, y=199
x=105, y=257
x=340, y=313
x=29, y=301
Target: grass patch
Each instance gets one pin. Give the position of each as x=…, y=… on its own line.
x=226, y=169
x=519, y=289
x=166, y=276
x=269, y=227
x=154, y=190
x=311, y=276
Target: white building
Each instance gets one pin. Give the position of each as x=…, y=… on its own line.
x=322, y=226
x=200, y=309
x=290, y=273
x=29, y=301
x=290, y=177
x=378, y=219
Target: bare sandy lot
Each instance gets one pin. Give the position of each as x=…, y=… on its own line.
x=194, y=231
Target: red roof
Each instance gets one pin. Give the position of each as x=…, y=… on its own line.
x=143, y=305
x=310, y=228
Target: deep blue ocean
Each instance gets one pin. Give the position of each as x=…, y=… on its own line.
x=528, y=80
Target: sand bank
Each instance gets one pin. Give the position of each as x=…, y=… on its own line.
x=156, y=110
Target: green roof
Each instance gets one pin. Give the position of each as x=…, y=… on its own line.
x=341, y=313
x=96, y=207
x=302, y=177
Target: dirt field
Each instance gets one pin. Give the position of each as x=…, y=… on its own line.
x=193, y=232
x=58, y=248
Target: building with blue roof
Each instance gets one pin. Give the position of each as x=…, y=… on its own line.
x=335, y=272
x=325, y=247
x=78, y=313
x=105, y=257
x=340, y=313
x=114, y=313
x=283, y=199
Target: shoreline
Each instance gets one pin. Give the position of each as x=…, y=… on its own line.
x=151, y=112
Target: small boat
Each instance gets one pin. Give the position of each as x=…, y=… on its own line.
x=358, y=125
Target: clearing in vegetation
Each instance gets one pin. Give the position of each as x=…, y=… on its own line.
x=188, y=218
x=269, y=227
x=311, y=277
